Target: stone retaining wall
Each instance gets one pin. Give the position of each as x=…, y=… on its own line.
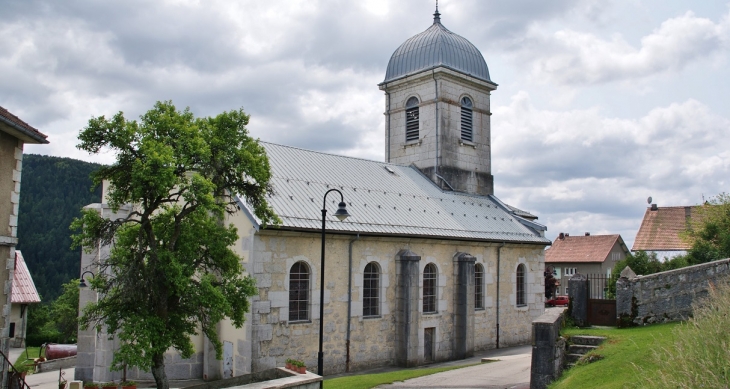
x=548, y=348
x=55, y=364
x=666, y=296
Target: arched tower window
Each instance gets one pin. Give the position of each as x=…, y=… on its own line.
x=299, y=292
x=478, y=286
x=371, y=290
x=412, y=117
x=521, y=285
x=429, y=288
x=467, y=132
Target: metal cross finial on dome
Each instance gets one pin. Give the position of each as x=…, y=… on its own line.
x=437, y=15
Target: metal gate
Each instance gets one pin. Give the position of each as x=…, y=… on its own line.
x=602, y=300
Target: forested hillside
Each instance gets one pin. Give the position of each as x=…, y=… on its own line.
x=53, y=190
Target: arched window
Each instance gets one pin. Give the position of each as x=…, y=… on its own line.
x=467, y=132
x=412, y=116
x=521, y=285
x=478, y=286
x=299, y=292
x=371, y=290
x=429, y=288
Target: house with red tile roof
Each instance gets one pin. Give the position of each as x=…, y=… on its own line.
x=14, y=134
x=661, y=230
x=24, y=293
x=586, y=254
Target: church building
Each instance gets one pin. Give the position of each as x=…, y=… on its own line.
x=429, y=266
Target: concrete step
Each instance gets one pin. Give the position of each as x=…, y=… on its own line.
x=587, y=340
x=580, y=349
x=572, y=358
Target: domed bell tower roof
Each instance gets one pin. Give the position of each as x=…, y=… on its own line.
x=437, y=46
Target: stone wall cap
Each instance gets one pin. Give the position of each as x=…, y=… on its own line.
x=464, y=257
x=628, y=273
x=408, y=255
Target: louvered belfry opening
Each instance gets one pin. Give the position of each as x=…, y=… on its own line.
x=412, y=116
x=467, y=132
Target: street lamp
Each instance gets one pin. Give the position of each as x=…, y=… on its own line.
x=342, y=215
x=82, y=282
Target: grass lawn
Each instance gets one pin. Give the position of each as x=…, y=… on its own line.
x=628, y=357
x=366, y=381
x=32, y=352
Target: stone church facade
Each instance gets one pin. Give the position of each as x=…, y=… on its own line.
x=430, y=266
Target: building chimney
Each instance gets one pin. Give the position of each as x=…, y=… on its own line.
x=588, y=234
x=654, y=207
x=561, y=236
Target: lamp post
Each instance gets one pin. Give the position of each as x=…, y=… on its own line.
x=82, y=281
x=342, y=215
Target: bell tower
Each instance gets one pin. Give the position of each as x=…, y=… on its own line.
x=437, y=110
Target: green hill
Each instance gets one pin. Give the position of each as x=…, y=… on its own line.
x=53, y=190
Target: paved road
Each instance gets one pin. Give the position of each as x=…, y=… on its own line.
x=512, y=370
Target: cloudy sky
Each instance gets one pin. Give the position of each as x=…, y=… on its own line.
x=600, y=103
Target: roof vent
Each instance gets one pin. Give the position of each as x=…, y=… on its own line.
x=588, y=234
x=561, y=236
x=654, y=207
x=567, y=234
x=391, y=171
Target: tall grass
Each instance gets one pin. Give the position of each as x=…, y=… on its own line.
x=700, y=355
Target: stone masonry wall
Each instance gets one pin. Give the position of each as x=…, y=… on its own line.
x=275, y=338
x=666, y=296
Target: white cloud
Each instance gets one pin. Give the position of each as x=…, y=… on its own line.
x=579, y=161
x=574, y=57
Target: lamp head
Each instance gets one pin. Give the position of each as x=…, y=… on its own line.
x=342, y=211
x=82, y=283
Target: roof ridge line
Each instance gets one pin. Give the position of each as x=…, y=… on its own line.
x=333, y=155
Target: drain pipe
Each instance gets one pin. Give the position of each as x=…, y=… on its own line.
x=349, y=303
x=387, y=126
x=436, y=89
x=499, y=261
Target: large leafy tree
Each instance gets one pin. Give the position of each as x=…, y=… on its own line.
x=170, y=271
x=710, y=231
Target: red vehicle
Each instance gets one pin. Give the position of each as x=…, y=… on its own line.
x=558, y=301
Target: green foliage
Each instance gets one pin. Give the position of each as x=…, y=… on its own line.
x=53, y=192
x=710, y=232
x=56, y=322
x=699, y=356
x=171, y=271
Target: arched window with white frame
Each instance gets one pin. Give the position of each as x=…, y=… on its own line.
x=478, y=286
x=430, y=277
x=299, y=276
x=521, y=285
x=371, y=290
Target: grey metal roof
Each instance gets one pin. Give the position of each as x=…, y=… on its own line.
x=437, y=46
x=403, y=202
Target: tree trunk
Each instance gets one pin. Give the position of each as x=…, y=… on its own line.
x=158, y=371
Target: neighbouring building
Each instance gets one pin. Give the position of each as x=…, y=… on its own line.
x=661, y=231
x=586, y=254
x=24, y=294
x=14, y=133
x=430, y=266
